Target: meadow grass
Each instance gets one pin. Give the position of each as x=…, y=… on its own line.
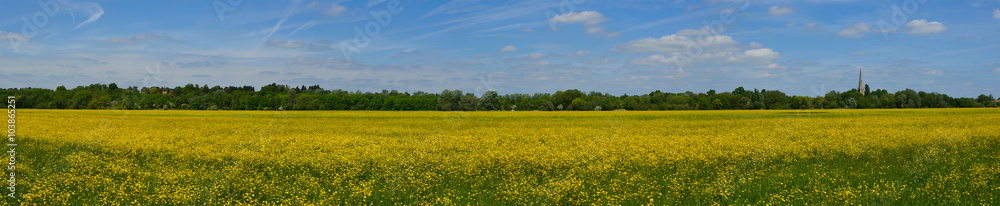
x=857, y=157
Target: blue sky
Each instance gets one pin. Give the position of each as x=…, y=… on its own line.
x=801, y=47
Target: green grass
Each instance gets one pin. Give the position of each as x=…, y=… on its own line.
x=931, y=167
x=940, y=172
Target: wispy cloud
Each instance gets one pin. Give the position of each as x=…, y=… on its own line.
x=278, y=25
x=674, y=18
x=591, y=19
x=922, y=26
x=142, y=38
x=674, y=49
x=285, y=44
x=508, y=48
x=335, y=10
x=779, y=11
x=486, y=16
x=94, y=10
x=855, y=31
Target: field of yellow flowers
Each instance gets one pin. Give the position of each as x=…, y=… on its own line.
x=825, y=157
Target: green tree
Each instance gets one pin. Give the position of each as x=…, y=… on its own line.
x=448, y=100
x=983, y=99
x=469, y=102
x=306, y=102
x=775, y=99
x=578, y=104
x=566, y=97
x=490, y=100
x=546, y=105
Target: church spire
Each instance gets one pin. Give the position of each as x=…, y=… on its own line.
x=861, y=85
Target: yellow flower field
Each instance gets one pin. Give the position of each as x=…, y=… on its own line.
x=826, y=157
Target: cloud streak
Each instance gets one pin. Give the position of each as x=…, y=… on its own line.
x=94, y=10
x=779, y=11
x=922, y=26
x=855, y=31
x=591, y=20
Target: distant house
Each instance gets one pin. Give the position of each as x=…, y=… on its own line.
x=997, y=101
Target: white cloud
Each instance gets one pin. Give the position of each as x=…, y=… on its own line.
x=765, y=76
x=932, y=72
x=526, y=58
x=595, y=29
x=578, y=53
x=811, y=24
x=142, y=38
x=600, y=60
x=779, y=11
x=678, y=43
x=694, y=32
x=996, y=13
x=755, y=56
x=658, y=60
x=996, y=71
x=535, y=56
x=590, y=19
x=317, y=61
x=508, y=48
x=761, y=53
x=465, y=63
x=860, y=53
x=921, y=26
x=285, y=44
x=335, y=10
x=790, y=24
x=93, y=10
x=855, y=31
x=775, y=66
x=715, y=49
x=631, y=78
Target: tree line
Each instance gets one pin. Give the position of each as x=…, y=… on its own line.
x=283, y=97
